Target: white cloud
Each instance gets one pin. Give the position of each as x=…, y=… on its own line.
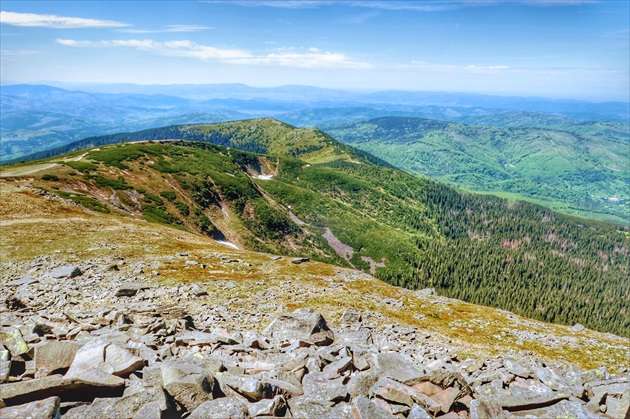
x=455, y=68
x=169, y=28
x=426, y=6
x=54, y=21
x=420, y=6
x=310, y=58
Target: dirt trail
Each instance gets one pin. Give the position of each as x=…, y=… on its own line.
x=9, y=173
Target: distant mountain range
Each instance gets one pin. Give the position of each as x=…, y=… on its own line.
x=40, y=117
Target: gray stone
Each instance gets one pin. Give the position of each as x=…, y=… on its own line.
x=343, y=411
x=529, y=395
x=319, y=389
x=56, y=385
x=366, y=409
x=360, y=383
x=55, y=357
x=486, y=409
x=618, y=403
x=104, y=356
x=303, y=324
x=12, y=339
x=395, y=392
x=350, y=316
x=130, y=289
x=577, y=328
x=517, y=368
x=5, y=370
x=334, y=369
x=564, y=409
x=248, y=387
x=398, y=367
x=446, y=398
x=124, y=407
x=597, y=374
x=418, y=413
x=189, y=385
x=447, y=378
x=150, y=410
x=555, y=379
x=269, y=407
x=282, y=387
x=41, y=409
x=68, y=271
x=297, y=261
x=223, y=408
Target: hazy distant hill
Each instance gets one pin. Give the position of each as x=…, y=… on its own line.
x=582, y=169
x=40, y=117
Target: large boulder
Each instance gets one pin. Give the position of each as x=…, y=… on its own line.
x=124, y=407
x=398, y=367
x=395, y=392
x=188, y=384
x=55, y=357
x=104, y=356
x=304, y=324
x=57, y=385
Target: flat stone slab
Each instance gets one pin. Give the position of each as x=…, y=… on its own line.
x=68, y=271
x=68, y=389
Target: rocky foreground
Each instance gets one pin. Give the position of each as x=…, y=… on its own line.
x=85, y=341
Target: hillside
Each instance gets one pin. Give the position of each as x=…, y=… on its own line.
x=267, y=136
x=157, y=322
x=347, y=211
x=580, y=170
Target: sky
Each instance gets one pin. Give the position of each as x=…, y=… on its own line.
x=577, y=49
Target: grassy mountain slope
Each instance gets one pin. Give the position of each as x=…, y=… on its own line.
x=265, y=135
x=582, y=170
x=408, y=231
x=36, y=227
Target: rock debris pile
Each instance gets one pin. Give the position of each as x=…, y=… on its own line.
x=139, y=356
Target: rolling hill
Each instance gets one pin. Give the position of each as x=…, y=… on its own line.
x=311, y=196
x=39, y=117
x=580, y=170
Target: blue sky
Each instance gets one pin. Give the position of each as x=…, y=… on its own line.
x=552, y=48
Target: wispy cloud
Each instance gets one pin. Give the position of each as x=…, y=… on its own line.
x=54, y=21
x=456, y=68
x=426, y=6
x=558, y=2
x=310, y=58
x=17, y=53
x=420, y=6
x=169, y=29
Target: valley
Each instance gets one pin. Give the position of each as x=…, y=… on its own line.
x=578, y=169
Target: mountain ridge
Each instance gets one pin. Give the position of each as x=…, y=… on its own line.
x=408, y=231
